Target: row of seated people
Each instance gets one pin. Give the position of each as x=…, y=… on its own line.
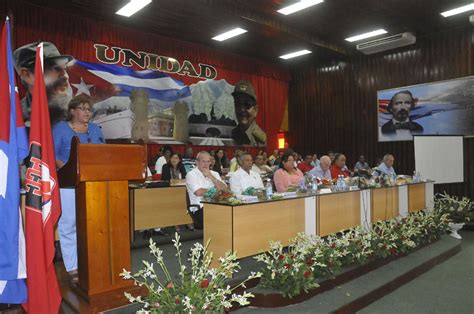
x=248, y=173
x=334, y=165
x=167, y=164
x=285, y=166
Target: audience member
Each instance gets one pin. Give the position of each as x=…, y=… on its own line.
x=214, y=166
x=234, y=163
x=273, y=157
x=245, y=177
x=165, y=156
x=287, y=175
x=323, y=170
x=361, y=167
x=331, y=155
x=338, y=167
x=265, y=157
x=386, y=166
x=278, y=159
x=174, y=169
x=315, y=161
x=260, y=167
x=298, y=158
x=198, y=181
x=222, y=162
x=189, y=162
x=305, y=165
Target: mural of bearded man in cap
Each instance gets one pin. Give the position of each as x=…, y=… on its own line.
x=247, y=131
x=58, y=89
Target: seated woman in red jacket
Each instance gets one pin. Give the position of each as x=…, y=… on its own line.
x=288, y=175
x=338, y=167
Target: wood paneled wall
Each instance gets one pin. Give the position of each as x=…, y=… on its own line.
x=334, y=106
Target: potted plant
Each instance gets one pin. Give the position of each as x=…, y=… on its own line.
x=459, y=211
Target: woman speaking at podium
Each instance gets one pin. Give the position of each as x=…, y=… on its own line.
x=79, y=112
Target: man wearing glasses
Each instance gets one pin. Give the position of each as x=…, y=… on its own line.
x=58, y=89
x=247, y=131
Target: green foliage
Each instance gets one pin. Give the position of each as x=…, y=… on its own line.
x=458, y=209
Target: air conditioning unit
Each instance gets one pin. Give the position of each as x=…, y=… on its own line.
x=387, y=43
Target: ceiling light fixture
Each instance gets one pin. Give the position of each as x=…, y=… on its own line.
x=295, y=54
x=232, y=33
x=367, y=35
x=303, y=4
x=459, y=10
x=133, y=7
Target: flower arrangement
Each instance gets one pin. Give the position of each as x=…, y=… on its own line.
x=402, y=235
x=215, y=195
x=310, y=257
x=459, y=210
x=199, y=289
x=289, y=272
x=250, y=191
x=353, y=246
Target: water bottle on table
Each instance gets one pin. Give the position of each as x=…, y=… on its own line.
x=268, y=190
x=314, y=185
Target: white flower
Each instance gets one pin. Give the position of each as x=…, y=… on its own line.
x=126, y=274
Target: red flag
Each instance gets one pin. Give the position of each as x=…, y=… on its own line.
x=42, y=204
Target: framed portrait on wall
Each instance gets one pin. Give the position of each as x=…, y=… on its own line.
x=445, y=107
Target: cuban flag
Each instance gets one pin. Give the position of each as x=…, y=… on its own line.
x=110, y=87
x=102, y=81
x=13, y=148
x=422, y=109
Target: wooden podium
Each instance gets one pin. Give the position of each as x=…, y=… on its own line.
x=100, y=174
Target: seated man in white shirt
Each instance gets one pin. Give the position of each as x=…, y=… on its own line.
x=260, y=167
x=386, y=166
x=198, y=181
x=322, y=171
x=245, y=177
x=166, y=153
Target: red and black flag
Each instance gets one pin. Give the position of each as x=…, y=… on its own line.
x=43, y=206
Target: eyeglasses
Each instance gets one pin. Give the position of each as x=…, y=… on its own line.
x=84, y=109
